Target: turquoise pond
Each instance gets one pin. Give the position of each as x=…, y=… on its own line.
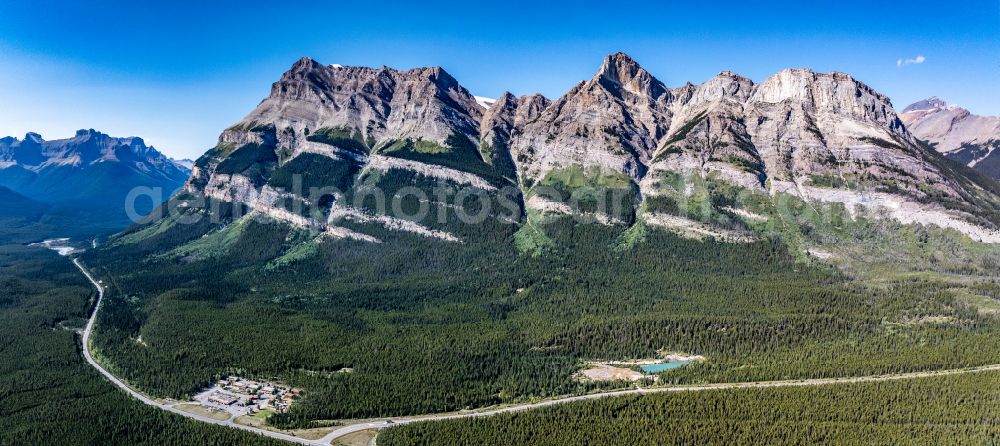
x=662, y=367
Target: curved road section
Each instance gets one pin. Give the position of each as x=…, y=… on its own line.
x=395, y=421
x=149, y=401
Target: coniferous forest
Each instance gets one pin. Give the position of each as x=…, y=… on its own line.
x=48, y=394
x=54, y=396
x=955, y=410
x=416, y=325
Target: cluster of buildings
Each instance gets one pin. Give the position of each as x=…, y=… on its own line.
x=252, y=395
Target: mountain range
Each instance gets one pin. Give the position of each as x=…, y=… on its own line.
x=86, y=178
x=962, y=136
x=713, y=159
x=359, y=218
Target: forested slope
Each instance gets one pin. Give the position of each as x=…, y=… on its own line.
x=425, y=326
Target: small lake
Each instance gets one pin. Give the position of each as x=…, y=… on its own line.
x=662, y=367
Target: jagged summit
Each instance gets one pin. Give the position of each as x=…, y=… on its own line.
x=611, y=122
x=834, y=92
x=309, y=70
x=380, y=104
x=817, y=136
x=726, y=85
x=305, y=63
x=86, y=146
x=619, y=71
x=506, y=97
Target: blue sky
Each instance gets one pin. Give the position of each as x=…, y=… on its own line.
x=178, y=72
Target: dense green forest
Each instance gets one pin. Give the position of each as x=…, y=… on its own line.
x=953, y=410
x=48, y=394
x=429, y=326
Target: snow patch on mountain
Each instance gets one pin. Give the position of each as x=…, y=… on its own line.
x=484, y=101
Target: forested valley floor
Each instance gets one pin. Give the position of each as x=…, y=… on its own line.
x=417, y=326
x=48, y=394
x=948, y=410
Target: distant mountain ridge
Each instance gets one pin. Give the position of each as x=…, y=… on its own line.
x=64, y=169
x=90, y=173
x=957, y=133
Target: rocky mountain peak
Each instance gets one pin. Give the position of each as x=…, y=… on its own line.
x=529, y=108
x=612, y=121
x=790, y=83
x=305, y=64
x=506, y=97
x=381, y=105
x=441, y=78
x=621, y=72
x=819, y=136
x=833, y=94
x=83, y=133
x=503, y=109
x=929, y=104
x=497, y=127
x=957, y=133
x=726, y=86
x=86, y=147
